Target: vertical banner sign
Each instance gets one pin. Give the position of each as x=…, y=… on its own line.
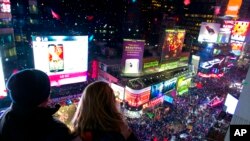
x=132, y=56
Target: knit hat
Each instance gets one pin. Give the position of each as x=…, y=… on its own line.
x=29, y=87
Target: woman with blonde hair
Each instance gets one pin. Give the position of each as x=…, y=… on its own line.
x=97, y=117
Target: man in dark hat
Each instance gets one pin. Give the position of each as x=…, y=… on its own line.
x=29, y=118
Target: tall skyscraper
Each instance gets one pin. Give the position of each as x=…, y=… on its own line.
x=194, y=14
x=7, y=43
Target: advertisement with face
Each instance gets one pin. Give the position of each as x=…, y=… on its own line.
x=172, y=44
x=63, y=58
x=132, y=56
x=239, y=31
x=209, y=32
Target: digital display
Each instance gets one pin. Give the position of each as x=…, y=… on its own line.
x=5, y=6
x=168, y=99
x=239, y=31
x=162, y=88
x=183, y=84
x=172, y=44
x=230, y=103
x=209, y=32
x=195, y=63
x=3, y=92
x=233, y=8
x=236, y=47
x=63, y=58
x=223, y=36
x=137, y=97
x=132, y=56
x=118, y=91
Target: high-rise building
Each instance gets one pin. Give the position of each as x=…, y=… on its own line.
x=194, y=13
x=7, y=43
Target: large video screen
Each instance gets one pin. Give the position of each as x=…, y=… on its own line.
x=230, y=103
x=63, y=58
x=209, y=32
x=137, y=97
x=183, y=84
x=119, y=91
x=237, y=47
x=172, y=44
x=3, y=92
x=162, y=88
x=239, y=31
x=132, y=56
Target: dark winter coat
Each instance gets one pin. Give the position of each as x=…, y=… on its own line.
x=37, y=124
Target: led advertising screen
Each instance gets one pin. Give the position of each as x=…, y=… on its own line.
x=195, y=63
x=239, y=31
x=63, y=58
x=236, y=47
x=5, y=6
x=223, y=36
x=119, y=91
x=230, y=103
x=172, y=44
x=183, y=84
x=233, y=7
x=209, y=32
x=168, y=99
x=159, y=89
x=3, y=92
x=136, y=98
x=132, y=56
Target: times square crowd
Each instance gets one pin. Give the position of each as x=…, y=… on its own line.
x=190, y=118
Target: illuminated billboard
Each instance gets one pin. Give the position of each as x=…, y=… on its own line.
x=63, y=58
x=172, y=44
x=137, y=97
x=162, y=88
x=236, y=47
x=223, y=36
x=209, y=32
x=233, y=8
x=230, y=103
x=195, y=62
x=132, y=56
x=239, y=31
x=118, y=91
x=183, y=84
x=168, y=99
x=5, y=6
x=3, y=92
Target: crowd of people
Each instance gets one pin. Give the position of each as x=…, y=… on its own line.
x=190, y=117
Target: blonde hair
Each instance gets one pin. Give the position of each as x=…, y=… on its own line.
x=97, y=110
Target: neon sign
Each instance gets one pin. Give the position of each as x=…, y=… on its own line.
x=233, y=8
x=210, y=75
